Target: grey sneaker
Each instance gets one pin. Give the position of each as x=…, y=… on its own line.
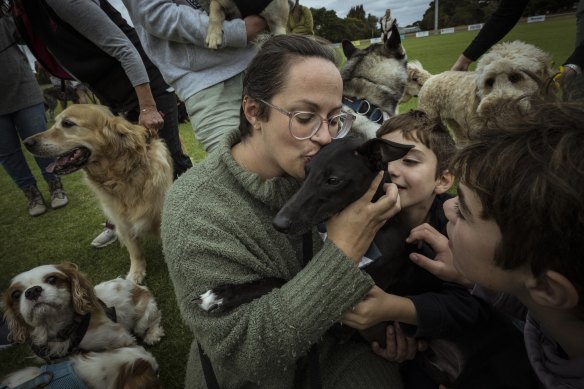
x=58, y=197
x=106, y=237
x=36, y=203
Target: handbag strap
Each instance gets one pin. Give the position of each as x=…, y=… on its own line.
x=313, y=361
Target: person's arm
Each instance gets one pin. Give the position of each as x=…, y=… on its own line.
x=87, y=17
x=182, y=23
x=573, y=66
x=496, y=27
x=308, y=22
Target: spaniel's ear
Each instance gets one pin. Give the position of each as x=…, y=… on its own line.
x=82, y=293
x=19, y=329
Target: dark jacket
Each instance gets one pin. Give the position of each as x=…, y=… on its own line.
x=41, y=26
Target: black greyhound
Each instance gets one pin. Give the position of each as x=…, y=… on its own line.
x=492, y=355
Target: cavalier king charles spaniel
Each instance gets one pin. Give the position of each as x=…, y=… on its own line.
x=58, y=312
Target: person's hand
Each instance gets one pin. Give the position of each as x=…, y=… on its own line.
x=151, y=119
x=566, y=76
x=462, y=63
x=254, y=25
x=374, y=309
x=399, y=347
x=442, y=266
x=352, y=230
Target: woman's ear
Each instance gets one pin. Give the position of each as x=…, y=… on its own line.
x=250, y=109
x=552, y=289
x=444, y=182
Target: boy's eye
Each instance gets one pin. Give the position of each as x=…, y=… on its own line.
x=410, y=161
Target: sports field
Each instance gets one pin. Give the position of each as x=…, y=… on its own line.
x=64, y=235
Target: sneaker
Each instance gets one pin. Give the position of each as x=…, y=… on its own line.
x=4, y=342
x=36, y=203
x=58, y=197
x=107, y=237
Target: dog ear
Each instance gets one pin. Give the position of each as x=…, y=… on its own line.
x=348, y=48
x=19, y=330
x=380, y=152
x=126, y=134
x=137, y=375
x=82, y=293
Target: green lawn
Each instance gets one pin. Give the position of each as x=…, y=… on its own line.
x=64, y=235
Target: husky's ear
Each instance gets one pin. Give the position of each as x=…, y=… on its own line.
x=348, y=48
x=380, y=152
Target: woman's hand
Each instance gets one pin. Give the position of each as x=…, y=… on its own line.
x=462, y=63
x=442, y=266
x=352, y=230
x=399, y=347
x=151, y=119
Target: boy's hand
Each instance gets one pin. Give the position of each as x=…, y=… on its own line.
x=352, y=230
x=379, y=306
x=399, y=347
x=442, y=266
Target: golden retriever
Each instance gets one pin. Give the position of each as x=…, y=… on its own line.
x=128, y=171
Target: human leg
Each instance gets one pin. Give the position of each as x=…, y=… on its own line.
x=14, y=162
x=31, y=121
x=215, y=111
x=166, y=103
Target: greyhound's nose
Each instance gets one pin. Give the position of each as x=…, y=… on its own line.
x=29, y=141
x=281, y=223
x=33, y=293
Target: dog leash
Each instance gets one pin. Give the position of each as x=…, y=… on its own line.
x=314, y=375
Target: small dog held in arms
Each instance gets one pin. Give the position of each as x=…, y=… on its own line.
x=275, y=12
x=492, y=355
x=463, y=100
x=60, y=314
x=128, y=170
x=374, y=80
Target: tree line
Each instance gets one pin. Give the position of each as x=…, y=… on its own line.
x=360, y=25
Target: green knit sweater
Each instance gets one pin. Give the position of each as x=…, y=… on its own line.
x=217, y=229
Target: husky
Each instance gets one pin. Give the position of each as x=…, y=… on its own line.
x=374, y=80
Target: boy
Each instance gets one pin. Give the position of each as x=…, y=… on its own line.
x=422, y=178
x=517, y=226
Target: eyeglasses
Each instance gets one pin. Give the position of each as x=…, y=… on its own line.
x=303, y=125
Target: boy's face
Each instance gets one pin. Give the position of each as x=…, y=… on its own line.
x=414, y=174
x=474, y=240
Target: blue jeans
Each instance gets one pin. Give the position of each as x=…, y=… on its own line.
x=24, y=123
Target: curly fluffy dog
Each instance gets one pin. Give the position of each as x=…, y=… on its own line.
x=463, y=100
x=417, y=77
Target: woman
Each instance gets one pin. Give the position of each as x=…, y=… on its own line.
x=217, y=229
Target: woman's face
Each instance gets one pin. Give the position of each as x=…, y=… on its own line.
x=314, y=85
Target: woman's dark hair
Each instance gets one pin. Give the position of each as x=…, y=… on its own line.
x=266, y=74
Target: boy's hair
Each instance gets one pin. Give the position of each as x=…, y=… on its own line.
x=267, y=73
x=528, y=172
x=416, y=126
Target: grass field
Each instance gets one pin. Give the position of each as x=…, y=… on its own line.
x=64, y=235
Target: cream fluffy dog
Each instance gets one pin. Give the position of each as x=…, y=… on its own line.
x=417, y=77
x=463, y=100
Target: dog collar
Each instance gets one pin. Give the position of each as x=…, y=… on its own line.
x=74, y=332
x=365, y=108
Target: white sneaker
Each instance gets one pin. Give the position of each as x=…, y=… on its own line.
x=105, y=238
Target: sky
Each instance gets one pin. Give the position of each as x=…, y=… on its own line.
x=406, y=12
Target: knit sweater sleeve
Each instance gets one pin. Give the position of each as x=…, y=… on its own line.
x=87, y=17
x=499, y=24
x=215, y=236
x=182, y=23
